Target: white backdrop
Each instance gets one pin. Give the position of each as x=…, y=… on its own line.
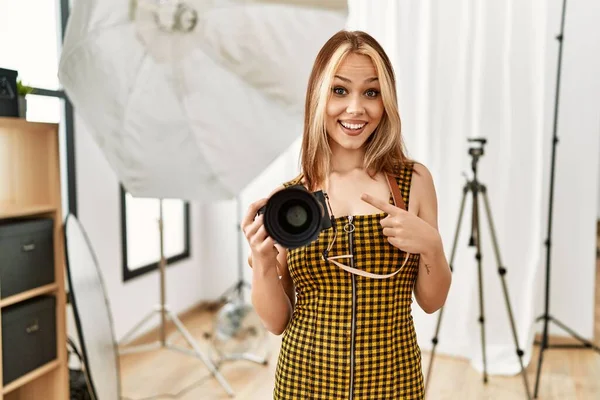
x=466, y=69
x=469, y=69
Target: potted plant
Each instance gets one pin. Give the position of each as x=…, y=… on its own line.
x=22, y=91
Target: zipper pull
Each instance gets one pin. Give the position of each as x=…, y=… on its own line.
x=349, y=227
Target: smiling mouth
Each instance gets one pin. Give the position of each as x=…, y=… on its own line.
x=353, y=127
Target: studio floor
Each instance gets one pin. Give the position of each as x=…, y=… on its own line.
x=567, y=374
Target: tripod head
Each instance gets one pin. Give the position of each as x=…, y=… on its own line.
x=476, y=151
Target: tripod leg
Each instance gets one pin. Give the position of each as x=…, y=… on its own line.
x=439, y=322
x=129, y=335
x=478, y=257
x=198, y=352
x=585, y=344
x=539, y=369
x=502, y=273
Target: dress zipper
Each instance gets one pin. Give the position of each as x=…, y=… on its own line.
x=349, y=228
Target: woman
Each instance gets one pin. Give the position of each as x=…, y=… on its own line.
x=343, y=302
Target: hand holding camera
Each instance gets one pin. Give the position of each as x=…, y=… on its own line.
x=262, y=246
x=291, y=217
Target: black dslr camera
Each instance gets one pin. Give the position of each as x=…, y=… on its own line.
x=294, y=217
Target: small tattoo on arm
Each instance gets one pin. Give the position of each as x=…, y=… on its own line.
x=428, y=268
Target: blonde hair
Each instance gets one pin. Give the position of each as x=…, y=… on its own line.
x=385, y=148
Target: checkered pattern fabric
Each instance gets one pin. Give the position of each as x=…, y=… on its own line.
x=317, y=352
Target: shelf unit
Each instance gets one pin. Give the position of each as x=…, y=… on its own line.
x=30, y=188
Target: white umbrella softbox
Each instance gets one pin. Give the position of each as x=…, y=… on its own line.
x=193, y=99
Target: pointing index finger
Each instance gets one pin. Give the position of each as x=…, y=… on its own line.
x=379, y=204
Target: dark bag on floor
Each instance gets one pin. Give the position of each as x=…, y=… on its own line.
x=78, y=382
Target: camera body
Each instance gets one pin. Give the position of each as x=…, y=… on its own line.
x=294, y=217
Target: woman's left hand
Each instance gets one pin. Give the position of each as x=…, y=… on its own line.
x=405, y=230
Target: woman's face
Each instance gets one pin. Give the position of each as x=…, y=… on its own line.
x=355, y=107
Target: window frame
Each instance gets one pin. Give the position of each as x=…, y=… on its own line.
x=128, y=273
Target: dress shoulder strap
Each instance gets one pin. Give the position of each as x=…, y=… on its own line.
x=404, y=179
x=296, y=181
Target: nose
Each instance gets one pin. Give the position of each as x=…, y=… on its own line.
x=355, y=106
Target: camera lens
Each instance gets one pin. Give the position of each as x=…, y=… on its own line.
x=292, y=217
x=296, y=216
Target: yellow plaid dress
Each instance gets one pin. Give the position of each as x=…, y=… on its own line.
x=351, y=337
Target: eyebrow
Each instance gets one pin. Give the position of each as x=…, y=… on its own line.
x=368, y=80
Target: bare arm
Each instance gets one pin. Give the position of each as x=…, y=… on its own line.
x=272, y=296
x=285, y=277
x=434, y=276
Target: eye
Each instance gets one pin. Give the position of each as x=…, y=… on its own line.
x=372, y=93
x=340, y=91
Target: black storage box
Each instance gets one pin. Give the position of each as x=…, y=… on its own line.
x=26, y=255
x=9, y=103
x=28, y=336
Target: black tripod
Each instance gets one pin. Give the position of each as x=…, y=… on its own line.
x=546, y=317
x=476, y=188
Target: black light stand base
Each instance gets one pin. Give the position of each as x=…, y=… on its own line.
x=545, y=345
x=585, y=344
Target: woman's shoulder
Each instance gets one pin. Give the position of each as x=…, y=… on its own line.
x=418, y=173
x=422, y=188
x=298, y=180
x=420, y=170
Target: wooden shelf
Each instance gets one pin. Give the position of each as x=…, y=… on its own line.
x=25, y=211
x=30, y=187
x=30, y=377
x=30, y=294
x=22, y=124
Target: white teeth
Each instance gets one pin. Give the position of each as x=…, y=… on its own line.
x=352, y=126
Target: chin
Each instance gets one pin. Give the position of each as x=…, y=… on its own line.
x=353, y=145
x=347, y=142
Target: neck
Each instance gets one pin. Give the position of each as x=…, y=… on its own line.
x=346, y=160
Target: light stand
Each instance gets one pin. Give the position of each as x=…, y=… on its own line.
x=165, y=313
x=477, y=189
x=546, y=317
x=239, y=286
x=238, y=290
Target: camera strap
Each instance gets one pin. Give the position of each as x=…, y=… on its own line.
x=398, y=202
x=395, y=189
